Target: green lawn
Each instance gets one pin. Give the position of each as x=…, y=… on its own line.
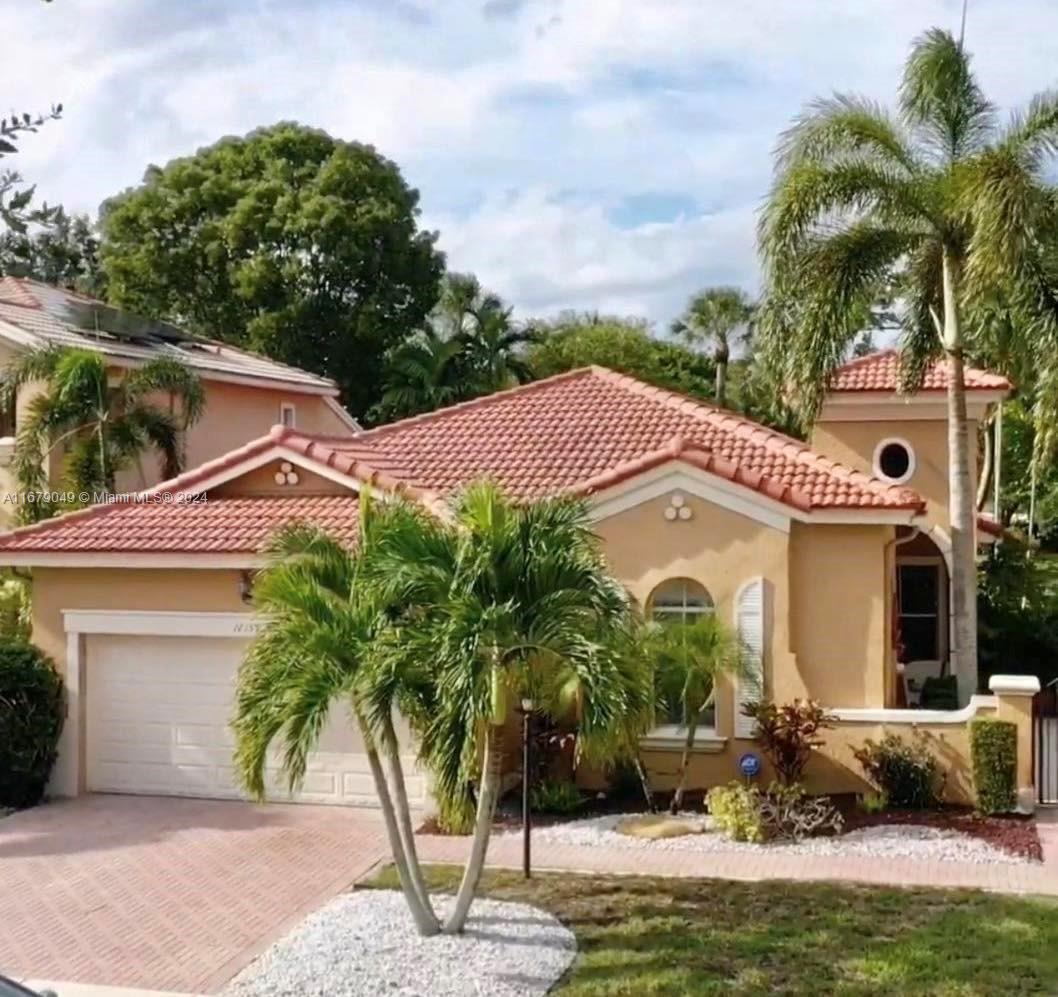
x=641, y=936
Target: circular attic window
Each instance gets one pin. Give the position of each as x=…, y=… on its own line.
x=894, y=460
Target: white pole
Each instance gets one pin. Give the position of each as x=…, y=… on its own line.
x=997, y=461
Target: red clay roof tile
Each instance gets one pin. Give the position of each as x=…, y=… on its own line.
x=580, y=432
x=881, y=372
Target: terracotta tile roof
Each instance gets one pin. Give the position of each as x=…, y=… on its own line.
x=590, y=428
x=579, y=432
x=881, y=372
x=43, y=313
x=237, y=524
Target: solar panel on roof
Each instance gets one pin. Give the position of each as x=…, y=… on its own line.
x=94, y=318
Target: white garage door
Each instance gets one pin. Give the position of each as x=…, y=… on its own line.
x=157, y=716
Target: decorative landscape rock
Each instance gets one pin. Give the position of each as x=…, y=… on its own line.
x=364, y=943
x=657, y=826
x=910, y=841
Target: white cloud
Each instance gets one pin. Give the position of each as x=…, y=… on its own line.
x=528, y=125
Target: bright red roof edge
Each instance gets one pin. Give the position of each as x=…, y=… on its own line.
x=880, y=371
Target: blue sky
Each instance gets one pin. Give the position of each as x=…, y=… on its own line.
x=589, y=154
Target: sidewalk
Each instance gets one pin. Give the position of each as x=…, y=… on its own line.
x=506, y=853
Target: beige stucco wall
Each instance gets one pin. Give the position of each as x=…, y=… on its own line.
x=853, y=443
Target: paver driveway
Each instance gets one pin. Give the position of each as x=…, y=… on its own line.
x=167, y=894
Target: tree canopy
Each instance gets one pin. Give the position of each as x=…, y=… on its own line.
x=287, y=241
x=64, y=252
x=621, y=344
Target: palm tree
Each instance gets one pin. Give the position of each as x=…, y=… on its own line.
x=494, y=351
x=937, y=197
x=718, y=317
x=511, y=600
x=325, y=629
x=422, y=375
x=688, y=658
x=101, y=426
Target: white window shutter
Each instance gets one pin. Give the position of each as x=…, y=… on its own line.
x=749, y=622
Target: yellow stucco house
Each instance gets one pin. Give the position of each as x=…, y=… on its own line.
x=829, y=558
x=246, y=393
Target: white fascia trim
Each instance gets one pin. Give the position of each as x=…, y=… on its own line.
x=672, y=737
x=160, y=624
x=678, y=475
x=338, y=409
x=901, y=408
x=132, y=560
x=916, y=717
x=246, y=380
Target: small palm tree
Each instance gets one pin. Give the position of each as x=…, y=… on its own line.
x=937, y=201
x=494, y=351
x=688, y=658
x=717, y=318
x=511, y=600
x=325, y=629
x=102, y=426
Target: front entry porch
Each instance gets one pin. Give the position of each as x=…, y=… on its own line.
x=921, y=618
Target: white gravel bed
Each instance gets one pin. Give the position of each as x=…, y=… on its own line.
x=905, y=841
x=363, y=944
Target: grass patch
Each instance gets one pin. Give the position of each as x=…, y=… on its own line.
x=642, y=936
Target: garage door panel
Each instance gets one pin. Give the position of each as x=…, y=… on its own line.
x=158, y=721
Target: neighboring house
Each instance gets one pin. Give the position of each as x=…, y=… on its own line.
x=245, y=393
x=700, y=511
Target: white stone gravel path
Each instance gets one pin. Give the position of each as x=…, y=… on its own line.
x=909, y=841
x=363, y=944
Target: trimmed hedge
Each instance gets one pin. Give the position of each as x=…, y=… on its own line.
x=994, y=750
x=32, y=709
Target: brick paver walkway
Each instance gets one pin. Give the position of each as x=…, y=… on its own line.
x=506, y=852
x=167, y=894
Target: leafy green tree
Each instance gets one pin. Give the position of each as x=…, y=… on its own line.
x=423, y=374
x=939, y=200
x=286, y=240
x=624, y=345
x=688, y=658
x=507, y=600
x=65, y=252
x=99, y=426
x=717, y=319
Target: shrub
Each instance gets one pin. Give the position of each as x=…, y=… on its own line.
x=789, y=734
x=31, y=719
x=789, y=812
x=736, y=811
x=906, y=773
x=994, y=750
x=555, y=796
x=455, y=815
x=873, y=803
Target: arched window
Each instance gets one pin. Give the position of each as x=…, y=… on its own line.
x=680, y=600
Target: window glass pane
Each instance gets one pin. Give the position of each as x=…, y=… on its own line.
x=918, y=634
x=679, y=595
x=675, y=717
x=894, y=461
x=919, y=588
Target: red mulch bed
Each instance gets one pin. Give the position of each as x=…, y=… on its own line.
x=1011, y=833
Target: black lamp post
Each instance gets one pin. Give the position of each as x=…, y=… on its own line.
x=527, y=820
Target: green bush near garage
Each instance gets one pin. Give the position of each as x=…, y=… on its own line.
x=994, y=752
x=32, y=709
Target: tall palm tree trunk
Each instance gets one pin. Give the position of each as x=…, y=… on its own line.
x=685, y=764
x=487, y=797
x=721, y=356
x=407, y=832
x=425, y=921
x=644, y=781
x=961, y=504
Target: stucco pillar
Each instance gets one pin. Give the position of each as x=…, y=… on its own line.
x=1014, y=704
